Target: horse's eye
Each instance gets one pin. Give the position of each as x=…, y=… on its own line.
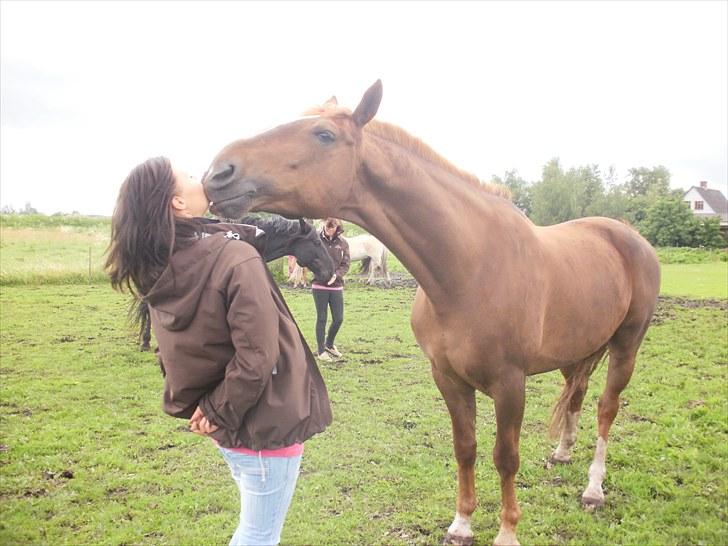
x=325, y=137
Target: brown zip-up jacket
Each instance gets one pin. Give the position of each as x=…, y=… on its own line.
x=338, y=249
x=229, y=344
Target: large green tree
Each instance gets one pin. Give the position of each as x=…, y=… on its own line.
x=564, y=195
x=643, y=200
x=669, y=222
x=651, y=183
x=707, y=233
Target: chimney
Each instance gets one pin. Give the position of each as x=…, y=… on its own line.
x=704, y=184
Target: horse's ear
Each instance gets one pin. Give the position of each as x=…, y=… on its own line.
x=369, y=105
x=331, y=103
x=305, y=227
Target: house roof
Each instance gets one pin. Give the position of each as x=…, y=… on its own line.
x=715, y=199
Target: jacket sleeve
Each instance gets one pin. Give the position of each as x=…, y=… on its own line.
x=252, y=318
x=343, y=267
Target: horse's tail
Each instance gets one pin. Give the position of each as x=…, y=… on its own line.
x=365, y=265
x=582, y=373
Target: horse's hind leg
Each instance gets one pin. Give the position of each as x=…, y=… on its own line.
x=460, y=400
x=577, y=383
x=622, y=352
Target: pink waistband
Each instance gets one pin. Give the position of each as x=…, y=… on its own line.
x=289, y=451
x=321, y=287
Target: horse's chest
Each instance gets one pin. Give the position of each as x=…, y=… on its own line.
x=445, y=338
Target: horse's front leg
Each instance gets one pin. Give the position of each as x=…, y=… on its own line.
x=509, y=398
x=460, y=400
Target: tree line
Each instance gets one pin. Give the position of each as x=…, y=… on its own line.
x=644, y=200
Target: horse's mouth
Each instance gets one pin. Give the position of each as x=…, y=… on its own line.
x=232, y=199
x=233, y=207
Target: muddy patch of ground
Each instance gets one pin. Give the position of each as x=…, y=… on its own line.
x=666, y=306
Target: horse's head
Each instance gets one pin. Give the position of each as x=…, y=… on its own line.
x=303, y=168
x=311, y=253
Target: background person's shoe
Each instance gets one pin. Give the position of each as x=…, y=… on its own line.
x=333, y=351
x=326, y=357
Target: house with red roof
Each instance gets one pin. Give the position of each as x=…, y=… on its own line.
x=705, y=202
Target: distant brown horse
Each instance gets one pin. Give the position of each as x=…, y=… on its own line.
x=499, y=297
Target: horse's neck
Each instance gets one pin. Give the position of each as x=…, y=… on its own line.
x=438, y=224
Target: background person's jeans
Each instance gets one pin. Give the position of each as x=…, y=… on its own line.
x=324, y=299
x=266, y=488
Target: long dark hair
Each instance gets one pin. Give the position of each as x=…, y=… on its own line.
x=144, y=230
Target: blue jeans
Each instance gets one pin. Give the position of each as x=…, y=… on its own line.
x=266, y=488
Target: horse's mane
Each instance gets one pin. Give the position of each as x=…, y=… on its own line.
x=399, y=136
x=273, y=225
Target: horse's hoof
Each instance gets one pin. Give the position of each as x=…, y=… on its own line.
x=144, y=348
x=553, y=460
x=506, y=540
x=591, y=503
x=453, y=540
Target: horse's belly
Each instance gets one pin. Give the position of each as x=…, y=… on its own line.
x=464, y=347
x=577, y=323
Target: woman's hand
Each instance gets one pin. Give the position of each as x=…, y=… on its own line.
x=200, y=425
x=331, y=280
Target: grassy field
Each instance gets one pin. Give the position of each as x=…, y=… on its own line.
x=87, y=457
x=55, y=253
x=38, y=249
x=706, y=280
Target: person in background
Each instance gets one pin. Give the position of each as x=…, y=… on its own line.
x=234, y=361
x=331, y=295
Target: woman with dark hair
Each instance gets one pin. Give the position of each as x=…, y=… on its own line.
x=234, y=361
x=331, y=295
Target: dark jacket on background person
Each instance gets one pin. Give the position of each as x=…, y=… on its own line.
x=229, y=344
x=338, y=249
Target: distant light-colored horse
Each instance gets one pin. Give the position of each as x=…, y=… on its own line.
x=373, y=255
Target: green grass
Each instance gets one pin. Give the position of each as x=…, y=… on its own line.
x=76, y=395
x=42, y=221
x=52, y=255
x=34, y=252
x=705, y=280
x=669, y=255
x=38, y=249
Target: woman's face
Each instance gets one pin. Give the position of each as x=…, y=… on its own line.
x=330, y=230
x=189, y=197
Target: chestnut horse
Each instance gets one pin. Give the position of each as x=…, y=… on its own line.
x=499, y=298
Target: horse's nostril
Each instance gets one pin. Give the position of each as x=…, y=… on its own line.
x=224, y=174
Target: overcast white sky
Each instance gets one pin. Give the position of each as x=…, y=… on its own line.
x=91, y=89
